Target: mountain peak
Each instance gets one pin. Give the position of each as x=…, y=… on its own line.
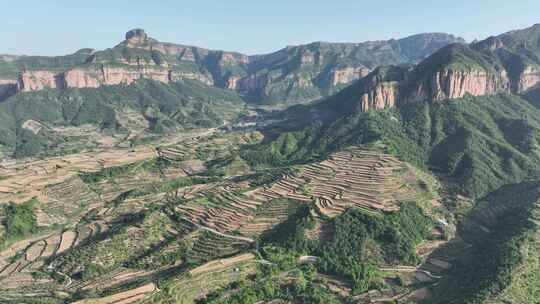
x=136, y=36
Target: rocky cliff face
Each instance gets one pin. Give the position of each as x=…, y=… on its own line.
x=441, y=85
x=347, y=75
x=136, y=37
x=38, y=80
x=451, y=84
x=100, y=76
x=529, y=79
x=383, y=95
x=502, y=64
x=293, y=74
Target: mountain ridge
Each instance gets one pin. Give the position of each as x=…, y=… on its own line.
x=508, y=63
x=297, y=73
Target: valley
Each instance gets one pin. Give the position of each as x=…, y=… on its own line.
x=393, y=171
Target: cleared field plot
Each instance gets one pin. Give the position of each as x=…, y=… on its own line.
x=209, y=246
x=354, y=178
x=18, y=249
x=53, y=244
x=176, y=154
x=113, y=188
x=35, y=251
x=268, y=216
x=207, y=278
x=67, y=241
x=114, y=279
x=221, y=208
x=221, y=264
x=125, y=297
x=127, y=224
x=27, y=179
x=68, y=201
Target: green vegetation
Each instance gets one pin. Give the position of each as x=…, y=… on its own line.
x=360, y=243
x=320, y=64
x=500, y=230
x=181, y=182
x=18, y=221
x=11, y=69
x=166, y=108
x=482, y=142
x=112, y=172
x=302, y=289
x=485, y=150
x=129, y=242
x=230, y=165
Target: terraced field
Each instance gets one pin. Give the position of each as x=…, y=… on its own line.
x=207, y=278
x=354, y=178
x=74, y=216
x=123, y=222
x=126, y=297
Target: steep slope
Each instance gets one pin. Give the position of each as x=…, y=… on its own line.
x=293, y=74
x=306, y=72
x=508, y=63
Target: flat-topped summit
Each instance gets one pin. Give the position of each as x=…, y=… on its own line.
x=136, y=37
x=136, y=34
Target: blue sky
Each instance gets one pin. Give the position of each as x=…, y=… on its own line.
x=56, y=27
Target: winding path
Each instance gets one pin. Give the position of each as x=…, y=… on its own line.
x=411, y=269
x=240, y=238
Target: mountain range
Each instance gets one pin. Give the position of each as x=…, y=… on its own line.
x=293, y=74
x=400, y=171
x=215, y=86
x=508, y=63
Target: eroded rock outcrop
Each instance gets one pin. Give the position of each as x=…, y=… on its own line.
x=38, y=80
x=451, y=84
x=383, y=95
x=440, y=86
x=295, y=73
x=507, y=63
x=347, y=75
x=443, y=85
x=381, y=88
x=95, y=77
x=232, y=82
x=529, y=79
x=136, y=37
x=183, y=75
x=78, y=78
